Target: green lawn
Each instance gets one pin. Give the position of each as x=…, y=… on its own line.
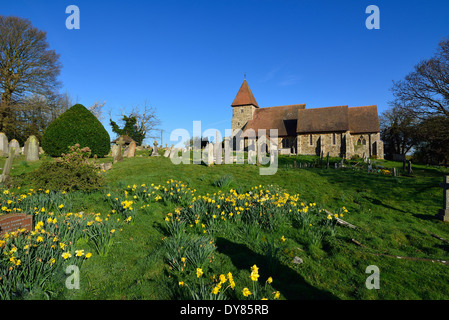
x=393, y=216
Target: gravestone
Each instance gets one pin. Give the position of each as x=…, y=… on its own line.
x=119, y=157
x=173, y=151
x=409, y=167
x=4, y=146
x=210, y=154
x=132, y=149
x=31, y=149
x=13, y=221
x=125, y=153
x=15, y=144
x=114, y=150
x=395, y=173
x=8, y=165
x=155, y=153
x=167, y=152
x=218, y=150
x=106, y=166
x=228, y=159
x=327, y=161
x=443, y=214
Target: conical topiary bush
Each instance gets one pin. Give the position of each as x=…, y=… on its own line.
x=76, y=125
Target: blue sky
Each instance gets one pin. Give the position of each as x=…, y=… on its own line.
x=187, y=58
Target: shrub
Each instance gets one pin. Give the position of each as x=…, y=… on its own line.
x=76, y=125
x=72, y=172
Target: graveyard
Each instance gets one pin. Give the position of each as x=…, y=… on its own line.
x=137, y=164
x=322, y=225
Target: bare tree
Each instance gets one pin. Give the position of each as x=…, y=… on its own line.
x=147, y=120
x=425, y=91
x=398, y=129
x=97, y=109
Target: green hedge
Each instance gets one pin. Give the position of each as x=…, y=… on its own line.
x=76, y=125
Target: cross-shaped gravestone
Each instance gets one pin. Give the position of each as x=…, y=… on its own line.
x=443, y=214
x=119, y=156
x=155, y=153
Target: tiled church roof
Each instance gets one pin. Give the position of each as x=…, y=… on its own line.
x=282, y=118
x=244, y=96
x=363, y=119
x=330, y=119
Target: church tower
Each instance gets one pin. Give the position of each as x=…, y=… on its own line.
x=243, y=107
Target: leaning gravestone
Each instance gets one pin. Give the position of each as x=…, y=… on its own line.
x=8, y=165
x=131, y=149
x=3, y=145
x=31, y=149
x=167, y=152
x=15, y=144
x=173, y=151
x=125, y=153
x=13, y=221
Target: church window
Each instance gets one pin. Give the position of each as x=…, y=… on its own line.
x=333, y=138
x=311, y=140
x=241, y=110
x=361, y=141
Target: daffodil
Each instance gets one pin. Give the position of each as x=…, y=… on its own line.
x=246, y=292
x=66, y=255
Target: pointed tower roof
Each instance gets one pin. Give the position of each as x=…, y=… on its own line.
x=244, y=96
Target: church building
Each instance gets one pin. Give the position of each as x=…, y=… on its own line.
x=341, y=130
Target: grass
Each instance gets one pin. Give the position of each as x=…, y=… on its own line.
x=393, y=215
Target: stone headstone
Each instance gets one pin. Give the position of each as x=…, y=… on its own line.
x=297, y=260
x=155, y=153
x=8, y=165
x=125, y=153
x=114, y=150
x=395, y=173
x=443, y=214
x=106, y=166
x=409, y=167
x=15, y=144
x=4, y=146
x=228, y=159
x=31, y=149
x=173, y=151
x=210, y=154
x=119, y=157
x=218, y=153
x=132, y=149
x=167, y=152
x=13, y=221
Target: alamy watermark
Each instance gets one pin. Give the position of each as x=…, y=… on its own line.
x=261, y=147
x=73, y=20
x=73, y=280
x=373, y=281
x=373, y=20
